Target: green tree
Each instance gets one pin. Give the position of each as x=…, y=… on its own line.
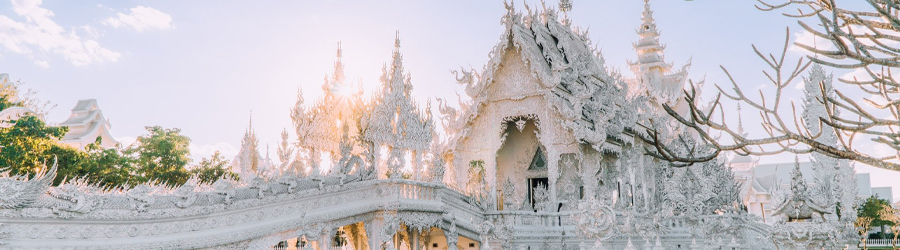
x=109, y=167
x=161, y=156
x=27, y=144
x=872, y=208
x=210, y=169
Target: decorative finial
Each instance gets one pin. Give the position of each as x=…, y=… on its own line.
x=397, y=40
x=565, y=5
x=339, y=52
x=647, y=16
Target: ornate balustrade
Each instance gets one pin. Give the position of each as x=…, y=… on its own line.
x=197, y=216
x=879, y=242
x=529, y=218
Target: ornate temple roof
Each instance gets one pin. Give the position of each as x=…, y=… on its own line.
x=590, y=98
x=86, y=124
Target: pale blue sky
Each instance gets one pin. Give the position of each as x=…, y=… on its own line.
x=202, y=66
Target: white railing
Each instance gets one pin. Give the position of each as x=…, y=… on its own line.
x=416, y=192
x=880, y=242
x=542, y=219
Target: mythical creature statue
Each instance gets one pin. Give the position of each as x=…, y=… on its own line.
x=18, y=191
x=261, y=185
x=77, y=195
x=225, y=187
x=187, y=194
x=140, y=194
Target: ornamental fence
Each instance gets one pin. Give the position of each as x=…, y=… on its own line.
x=880, y=242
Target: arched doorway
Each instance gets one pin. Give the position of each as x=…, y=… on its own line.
x=521, y=165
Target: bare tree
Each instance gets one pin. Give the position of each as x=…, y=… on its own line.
x=865, y=40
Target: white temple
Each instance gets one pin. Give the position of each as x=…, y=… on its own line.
x=86, y=124
x=546, y=154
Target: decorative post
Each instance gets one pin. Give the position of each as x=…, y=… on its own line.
x=373, y=232
x=552, y=175
x=452, y=235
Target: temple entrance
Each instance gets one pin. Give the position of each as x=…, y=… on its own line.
x=519, y=159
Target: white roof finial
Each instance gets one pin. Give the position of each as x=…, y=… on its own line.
x=397, y=40
x=339, y=53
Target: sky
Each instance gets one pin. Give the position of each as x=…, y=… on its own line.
x=206, y=66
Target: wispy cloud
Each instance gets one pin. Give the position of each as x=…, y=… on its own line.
x=38, y=32
x=140, y=19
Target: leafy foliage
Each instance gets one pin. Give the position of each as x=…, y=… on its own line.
x=211, y=169
x=28, y=144
x=161, y=155
x=874, y=208
x=110, y=167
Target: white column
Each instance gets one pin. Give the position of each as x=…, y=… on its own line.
x=552, y=175
x=452, y=239
x=414, y=239
x=373, y=232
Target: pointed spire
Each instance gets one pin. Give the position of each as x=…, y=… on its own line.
x=647, y=16
x=339, y=54
x=650, y=52
x=798, y=184
x=338, y=76
x=397, y=40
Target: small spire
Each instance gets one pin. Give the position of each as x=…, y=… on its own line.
x=250, y=128
x=648, y=14
x=397, y=40
x=339, y=53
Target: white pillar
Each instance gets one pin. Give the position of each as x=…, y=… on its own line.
x=373, y=232
x=452, y=238
x=414, y=239
x=552, y=175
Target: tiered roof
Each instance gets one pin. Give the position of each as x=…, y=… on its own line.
x=86, y=124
